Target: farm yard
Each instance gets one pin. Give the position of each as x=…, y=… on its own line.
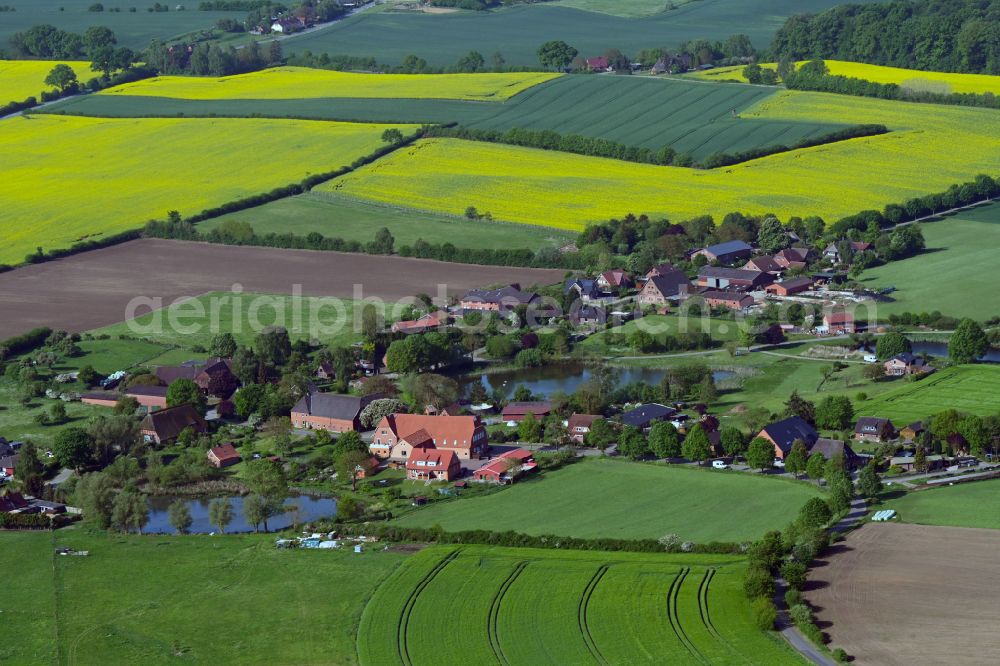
x=974, y=389
x=305, y=83
x=60, y=170
x=947, y=277
x=742, y=507
x=543, y=606
x=353, y=220
x=886, y=591
x=973, y=504
x=93, y=289
x=20, y=79
x=133, y=29
x=63, y=609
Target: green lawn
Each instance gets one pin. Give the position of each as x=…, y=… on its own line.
x=353, y=220
x=107, y=356
x=160, y=600
x=196, y=321
x=589, y=499
x=624, y=8
x=948, y=277
x=658, y=326
x=529, y=606
x=973, y=504
x=968, y=388
x=18, y=422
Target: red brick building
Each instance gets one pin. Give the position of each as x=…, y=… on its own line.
x=397, y=435
x=429, y=463
x=330, y=411
x=223, y=456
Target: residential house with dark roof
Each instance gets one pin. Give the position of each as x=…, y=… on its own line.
x=660, y=269
x=659, y=290
x=397, y=435
x=224, y=455
x=782, y=434
x=13, y=502
x=515, y=412
x=614, y=280
x=167, y=424
x=330, y=411
x=733, y=300
x=598, y=64
x=578, y=426
x=792, y=257
x=832, y=252
x=504, y=299
x=905, y=364
x=726, y=253
x=790, y=286
x=585, y=289
x=912, y=431
x=874, y=429
x=8, y=464
x=716, y=277
x=764, y=264
x=591, y=315
x=831, y=448
x=644, y=416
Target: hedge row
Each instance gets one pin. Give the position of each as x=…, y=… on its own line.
x=716, y=160
x=846, y=85
x=24, y=343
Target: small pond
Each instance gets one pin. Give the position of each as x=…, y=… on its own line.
x=940, y=349
x=309, y=508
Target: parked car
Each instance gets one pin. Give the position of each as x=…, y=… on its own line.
x=778, y=462
x=720, y=464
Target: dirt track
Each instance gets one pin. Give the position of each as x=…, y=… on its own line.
x=92, y=289
x=911, y=594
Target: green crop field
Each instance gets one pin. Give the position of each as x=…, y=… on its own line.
x=157, y=600
x=196, y=321
x=968, y=388
x=523, y=606
x=528, y=185
x=586, y=500
x=518, y=31
x=973, y=504
x=658, y=326
x=65, y=179
x=947, y=277
x=352, y=220
x=626, y=9
x=133, y=29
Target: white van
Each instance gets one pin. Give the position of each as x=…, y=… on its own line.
x=871, y=358
x=719, y=464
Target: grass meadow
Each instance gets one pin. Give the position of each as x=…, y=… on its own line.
x=67, y=179
x=568, y=191
x=159, y=599
x=194, y=322
x=525, y=606
x=948, y=276
x=350, y=219
x=629, y=9
x=973, y=504
x=968, y=388
x=305, y=83
x=586, y=500
x=20, y=79
x=133, y=29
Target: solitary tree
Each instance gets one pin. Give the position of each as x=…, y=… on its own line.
x=220, y=513
x=392, y=136
x=968, y=342
x=72, y=448
x=129, y=510
x=556, y=54
x=179, y=516
x=869, y=484
x=62, y=77
x=760, y=455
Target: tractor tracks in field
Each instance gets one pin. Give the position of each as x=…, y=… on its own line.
x=494, y=614
x=581, y=614
x=404, y=617
x=674, y=617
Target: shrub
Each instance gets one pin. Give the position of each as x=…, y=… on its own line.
x=758, y=583
x=841, y=656
x=764, y=613
x=801, y=615
x=792, y=597
x=794, y=574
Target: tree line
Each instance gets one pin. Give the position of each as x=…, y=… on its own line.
x=939, y=35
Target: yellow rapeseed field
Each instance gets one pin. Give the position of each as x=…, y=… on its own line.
x=930, y=147
x=943, y=82
x=21, y=79
x=305, y=83
x=65, y=178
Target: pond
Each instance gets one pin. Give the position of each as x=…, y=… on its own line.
x=565, y=377
x=309, y=508
x=940, y=350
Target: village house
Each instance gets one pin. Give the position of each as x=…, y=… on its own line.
x=792, y=257
x=432, y=464
x=727, y=299
x=911, y=432
x=872, y=429
x=330, y=411
x=837, y=323
x=659, y=290
x=13, y=502
x=214, y=372
x=614, y=280
x=833, y=253
x=578, y=426
x=660, y=269
x=782, y=434
x=505, y=467
x=644, y=416
x=224, y=455
x=789, y=287
x=515, y=412
x=589, y=315
x=428, y=322
x=8, y=464
x=726, y=253
x=152, y=398
x=397, y=435
x=288, y=24
x=672, y=63
x=714, y=277
x=325, y=371
x=585, y=288
x=831, y=448
x=908, y=464
x=763, y=264
x=906, y=364
x=598, y=64
x=454, y=409
x=167, y=424
x=497, y=300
